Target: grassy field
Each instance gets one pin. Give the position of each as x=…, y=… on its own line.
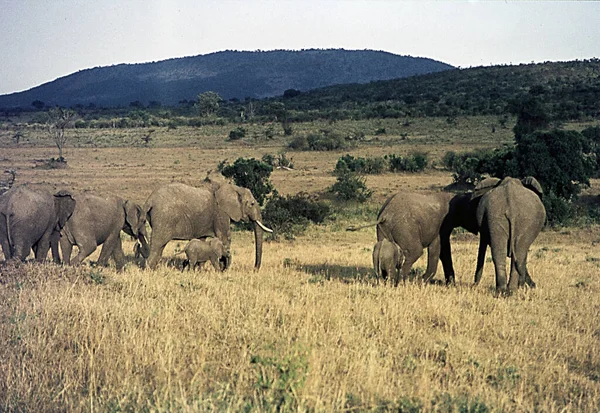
x=311, y=331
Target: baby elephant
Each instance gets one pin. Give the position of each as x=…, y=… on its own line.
x=198, y=251
x=387, y=260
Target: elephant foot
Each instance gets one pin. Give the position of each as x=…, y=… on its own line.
x=504, y=292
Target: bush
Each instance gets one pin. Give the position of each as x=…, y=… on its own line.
x=278, y=161
x=252, y=174
x=237, y=134
x=559, y=211
x=413, y=162
x=351, y=187
x=291, y=214
x=557, y=159
x=326, y=141
x=371, y=166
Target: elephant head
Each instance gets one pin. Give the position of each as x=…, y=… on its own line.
x=64, y=205
x=239, y=204
x=135, y=225
x=532, y=184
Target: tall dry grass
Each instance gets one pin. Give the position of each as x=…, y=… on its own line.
x=310, y=331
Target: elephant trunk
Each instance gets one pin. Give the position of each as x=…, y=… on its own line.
x=142, y=238
x=258, y=240
x=259, y=228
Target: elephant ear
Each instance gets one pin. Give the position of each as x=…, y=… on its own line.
x=64, y=204
x=229, y=201
x=531, y=183
x=485, y=186
x=133, y=212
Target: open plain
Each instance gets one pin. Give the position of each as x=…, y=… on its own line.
x=310, y=331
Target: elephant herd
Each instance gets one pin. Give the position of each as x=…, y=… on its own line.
x=508, y=214
x=38, y=220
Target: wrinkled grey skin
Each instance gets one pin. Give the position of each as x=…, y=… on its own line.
x=387, y=260
x=181, y=212
x=510, y=217
x=98, y=221
x=416, y=221
x=30, y=219
x=198, y=251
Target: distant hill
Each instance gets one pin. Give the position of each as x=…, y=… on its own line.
x=570, y=90
x=231, y=74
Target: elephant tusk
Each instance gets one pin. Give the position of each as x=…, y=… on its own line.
x=260, y=224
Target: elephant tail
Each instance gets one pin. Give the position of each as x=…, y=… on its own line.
x=8, y=234
x=373, y=224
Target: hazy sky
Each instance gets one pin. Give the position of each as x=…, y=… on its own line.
x=42, y=40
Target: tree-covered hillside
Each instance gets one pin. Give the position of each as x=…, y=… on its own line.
x=570, y=90
x=231, y=74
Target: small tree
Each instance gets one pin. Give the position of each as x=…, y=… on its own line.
x=58, y=120
x=350, y=186
x=252, y=174
x=208, y=103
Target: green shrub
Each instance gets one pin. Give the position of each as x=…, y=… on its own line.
x=558, y=159
x=290, y=215
x=326, y=141
x=370, y=166
x=413, y=162
x=277, y=161
x=351, y=187
x=237, y=133
x=559, y=211
x=252, y=174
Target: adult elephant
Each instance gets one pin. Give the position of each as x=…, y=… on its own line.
x=181, y=212
x=416, y=221
x=510, y=216
x=98, y=221
x=30, y=219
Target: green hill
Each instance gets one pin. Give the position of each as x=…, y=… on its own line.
x=570, y=90
x=231, y=74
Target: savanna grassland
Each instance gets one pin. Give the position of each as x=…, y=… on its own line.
x=310, y=331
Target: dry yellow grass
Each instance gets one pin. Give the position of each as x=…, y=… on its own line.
x=311, y=331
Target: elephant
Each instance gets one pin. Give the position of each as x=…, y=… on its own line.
x=98, y=221
x=31, y=219
x=415, y=221
x=387, y=260
x=198, y=251
x=510, y=216
x=181, y=212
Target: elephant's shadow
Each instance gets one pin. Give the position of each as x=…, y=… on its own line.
x=344, y=273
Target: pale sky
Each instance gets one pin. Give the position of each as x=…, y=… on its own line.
x=41, y=40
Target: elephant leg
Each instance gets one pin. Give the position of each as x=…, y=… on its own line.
x=86, y=248
x=118, y=255
x=20, y=251
x=483, y=243
x=66, y=248
x=42, y=247
x=108, y=249
x=433, y=256
x=214, y=260
x=157, y=246
x=410, y=258
x=498, y=242
x=521, y=267
x=514, y=281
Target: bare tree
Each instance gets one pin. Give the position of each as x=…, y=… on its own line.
x=59, y=119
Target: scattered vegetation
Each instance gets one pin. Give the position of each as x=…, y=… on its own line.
x=323, y=141
x=252, y=174
x=350, y=186
x=290, y=215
